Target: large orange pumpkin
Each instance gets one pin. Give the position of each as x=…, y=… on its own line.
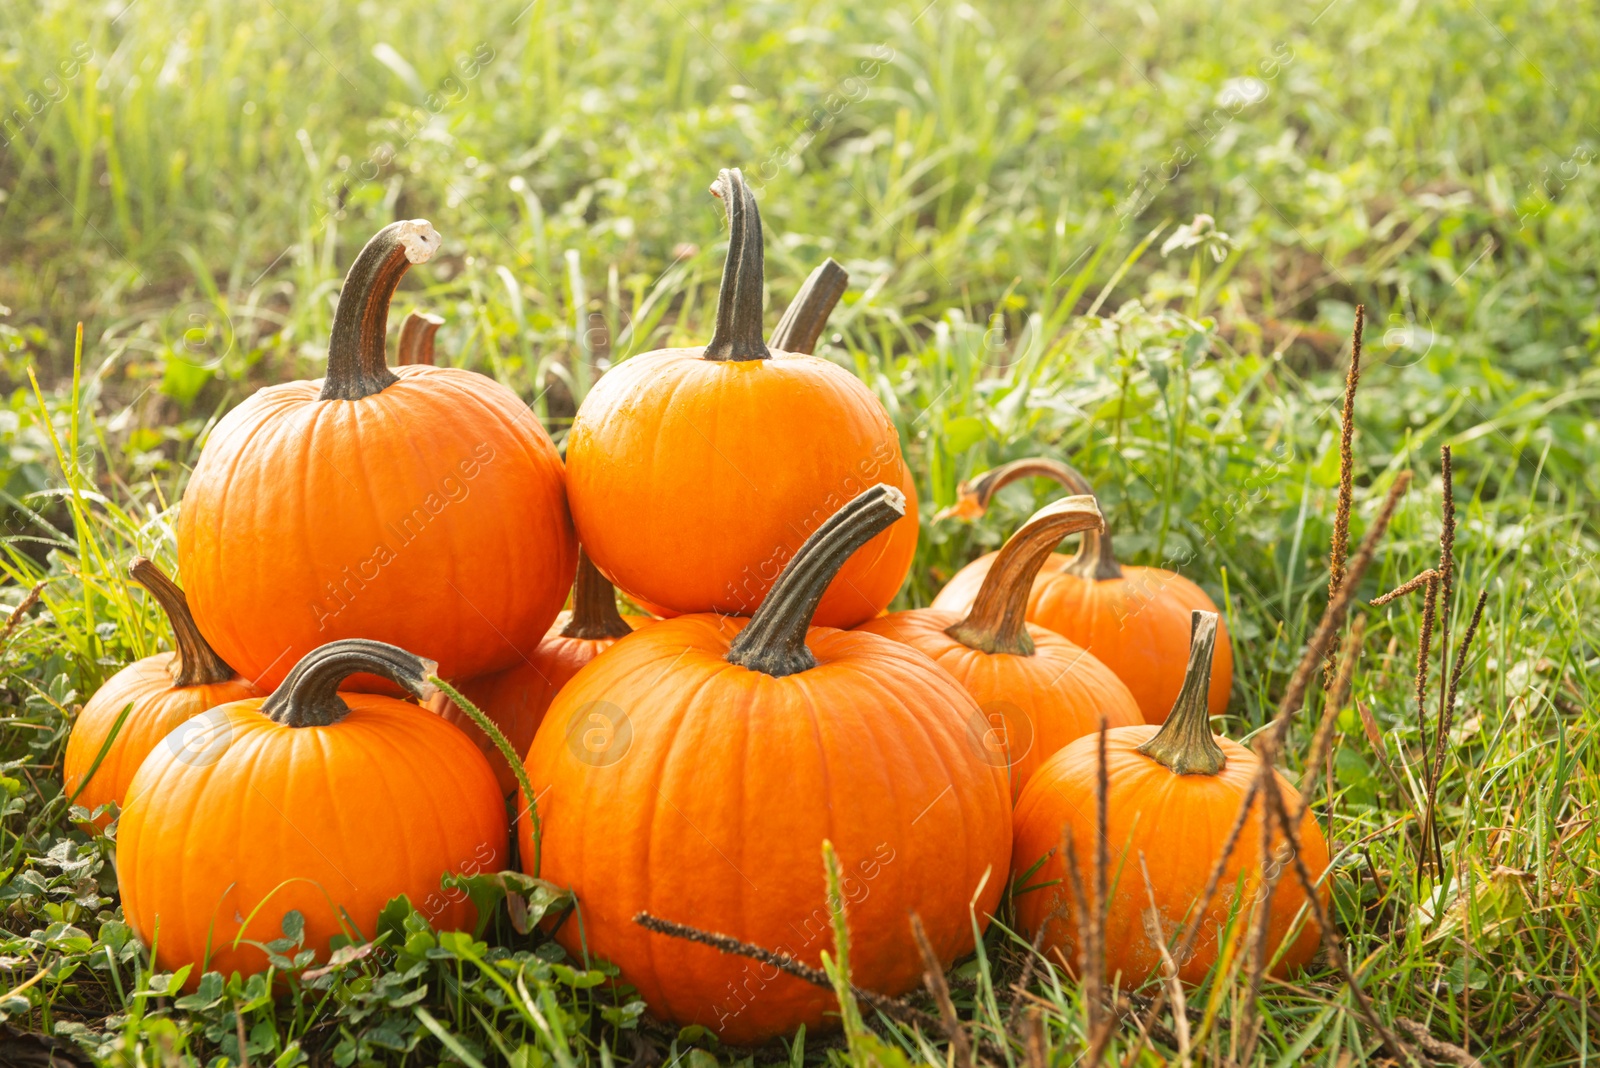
x=1037, y=690
x=157, y=692
x=1173, y=794
x=516, y=699
x=695, y=770
x=1135, y=620
x=695, y=474
x=312, y=800
x=424, y=508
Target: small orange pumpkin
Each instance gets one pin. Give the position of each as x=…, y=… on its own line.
x=695, y=770
x=158, y=693
x=1135, y=620
x=765, y=444
x=326, y=803
x=424, y=507
x=516, y=699
x=1037, y=690
x=1172, y=795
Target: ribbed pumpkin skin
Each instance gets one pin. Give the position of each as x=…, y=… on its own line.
x=382, y=803
x=715, y=815
x=1061, y=691
x=516, y=699
x=1137, y=625
x=766, y=450
x=1180, y=823
x=431, y=515
x=158, y=708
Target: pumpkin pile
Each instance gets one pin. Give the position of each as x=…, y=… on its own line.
x=370, y=674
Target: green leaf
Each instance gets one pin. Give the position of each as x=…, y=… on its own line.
x=409, y=998
x=623, y=1017
x=963, y=432
x=65, y=938
x=687, y=1036
x=580, y=980
x=1352, y=771
x=1325, y=472
x=164, y=984
x=207, y=995
x=392, y=920
x=534, y=897
x=183, y=381
x=529, y=1056
x=461, y=944
x=115, y=934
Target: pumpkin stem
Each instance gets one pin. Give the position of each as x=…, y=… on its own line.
x=1184, y=743
x=808, y=312
x=594, y=605
x=197, y=664
x=1094, y=560
x=309, y=696
x=416, y=338
x=356, y=365
x=997, y=622
x=774, y=641
x=739, y=306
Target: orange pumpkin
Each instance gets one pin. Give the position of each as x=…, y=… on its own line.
x=1135, y=620
x=1038, y=691
x=158, y=693
x=1172, y=795
x=722, y=460
x=516, y=699
x=423, y=507
x=311, y=800
x=695, y=770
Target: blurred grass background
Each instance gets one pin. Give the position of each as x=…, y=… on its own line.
x=1014, y=188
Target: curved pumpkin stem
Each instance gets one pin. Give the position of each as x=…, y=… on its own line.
x=309, y=696
x=594, y=605
x=197, y=664
x=738, y=335
x=774, y=641
x=416, y=338
x=808, y=312
x=997, y=622
x=356, y=365
x=1094, y=560
x=1184, y=743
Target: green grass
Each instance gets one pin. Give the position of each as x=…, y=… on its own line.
x=189, y=180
